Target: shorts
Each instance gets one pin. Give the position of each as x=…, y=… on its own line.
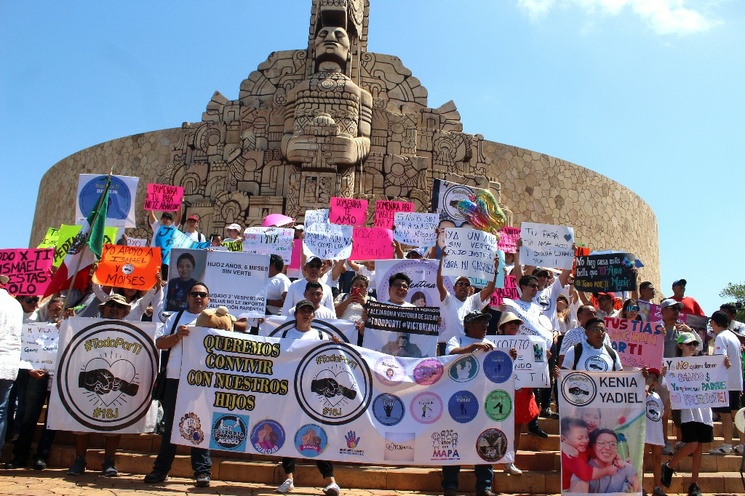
x=696, y=432
x=734, y=403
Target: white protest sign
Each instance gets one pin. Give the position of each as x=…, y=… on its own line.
x=237, y=280
x=531, y=364
x=269, y=241
x=546, y=245
x=328, y=241
x=415, y=229
x=697, y=382
x=316, y=216
x=39, y=342
x=470, y=252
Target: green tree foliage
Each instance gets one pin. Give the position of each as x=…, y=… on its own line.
x=736, y=292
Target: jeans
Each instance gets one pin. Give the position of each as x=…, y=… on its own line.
x=201, y=462
x=325, y=467
x=484, y=475
x=34, y=394
x=5, y=385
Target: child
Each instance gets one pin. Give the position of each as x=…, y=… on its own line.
x=574, y=457
x=654, y=439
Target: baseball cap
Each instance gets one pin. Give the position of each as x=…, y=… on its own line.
x=304, y=303
x=669, y=302
x=475, y=315
x=688, y=337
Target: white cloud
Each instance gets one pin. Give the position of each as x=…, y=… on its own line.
x=663, y=16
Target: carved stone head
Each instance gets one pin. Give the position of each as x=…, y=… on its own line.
x=331, y=48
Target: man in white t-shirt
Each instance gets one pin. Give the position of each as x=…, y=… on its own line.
x=728, y=344
x=314, y=294
x=595, y=355
x=190, y=229
x=276, y=286
x=454, y=307
x=398, y=290
x=296, y=291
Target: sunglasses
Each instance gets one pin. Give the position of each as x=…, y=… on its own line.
x=198, y=294
x=632, y=308
x=693, y=344
x=35, y=299
x=314, y=266
x=400, y=286
x=117, y=306
x=463, y=283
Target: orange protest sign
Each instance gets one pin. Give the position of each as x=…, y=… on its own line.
x=134, y=267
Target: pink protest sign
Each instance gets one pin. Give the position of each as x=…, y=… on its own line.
x=163, y=197
x=508, y=237
x=372, y=243
x=637, y=343
x=386, y=210
x=348, y=211
x=28, y=270
x=297, y=254
x=508, y=291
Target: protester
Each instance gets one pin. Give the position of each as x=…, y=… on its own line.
x=350, y=306
x=138, y=300
x=398, y=290
x=296, y=291
x=592, y=354
x=276, y=286
x=630, y=310
x=166, y=219
x=190, y=229
x=234, y=232
x=314, y=294
x=11, y=325
x=654, y=439
x=689, y=304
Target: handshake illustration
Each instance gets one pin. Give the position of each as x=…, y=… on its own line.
x=329, y=388
x=102, y=381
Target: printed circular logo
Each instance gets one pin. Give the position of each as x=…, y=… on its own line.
x=120, y=201
x=267, y=436
x=388, y=409
x=229, y=432
x=463, y=406
x=498, y=405
x=597, y=363
x=105, y=374
x=311, y=440
x=317, y=324
x=654, y=409
x=428, y=371
x=497, y=366
x=190, y=428
x=333, y=384
x=128, y=269
x=464, y=369
x=389, y=371
x=491, y=445
x=450, y=198
x=426, y=408
x=578, y=389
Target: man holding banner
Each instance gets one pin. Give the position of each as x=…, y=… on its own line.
x=11, y=323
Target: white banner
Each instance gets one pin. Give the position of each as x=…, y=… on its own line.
x=531, y=364
x=121, y=212
x=237, y=280
x=39, y=343
x=534, y=323
x=334, y=401
x=415, y=229
x=471, y=253
x=269, y=241
x=276, y=326
x=105, y=373
x=328, y=241
x=697, y=382
x=609, y=408
x=546, y=245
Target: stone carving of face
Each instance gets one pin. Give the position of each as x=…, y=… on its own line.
x=332, y=43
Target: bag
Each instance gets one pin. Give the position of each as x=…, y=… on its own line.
x=159, y=386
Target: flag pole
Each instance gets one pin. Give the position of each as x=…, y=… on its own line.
x=96, y=212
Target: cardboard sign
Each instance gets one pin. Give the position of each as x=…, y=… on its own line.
x=316, y=216
x=372, y=243
x=163, y=197
x=122, y=192
x=67, y=237
x=508, y=237
x=328, y=241
x=50, y=238
x=28, y=270
x=637, y=343
x=607, y=272
x=385, y=212
x=237, y=281
x=508, y=291
x=401, y=331
x=39, y=342
x=131, y=267
x=348, y=211
x=697, y=382
x=415, y=229
x=470, y=252
x=546, y=245
x=269, y=241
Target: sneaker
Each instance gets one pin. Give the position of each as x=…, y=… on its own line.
x=666, y=477
x=668, y=449
x=739, y=449
x=694, y=490
x=14, y=463
x=724, y=449
x=549, y=414
x=40, y=464
x=287, y=486
x=657, y=491
x=537, y=431
x=155, y=477
x=511, y=468
x=78, y=466
x=332, y=489
x=679, y=445
x=108, y=468
x=203, y=479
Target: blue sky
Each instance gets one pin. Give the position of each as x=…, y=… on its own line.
x=650, y=93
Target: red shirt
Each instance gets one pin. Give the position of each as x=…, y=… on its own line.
x=574, y=466
x=690, y=305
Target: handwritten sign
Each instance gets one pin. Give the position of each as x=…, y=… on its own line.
x=328, y=241
x=39, y=342
x=163, y=197
x=415, y=229
x=372, y=243
x=316, y=216
x=136, y=241
x=607, y=272
x=269, y=241
x=696, y=382
x=238, y=281
x=638, y=343
x=348, y=211
x=531, y=364
x=508, y=237
x=385, y=212
x=67, y=238
x=50, y=238
x=470, y=252
x=131, y=267
x=28, y=270
x=168, y=237
x=546, y=245
x=508, y=291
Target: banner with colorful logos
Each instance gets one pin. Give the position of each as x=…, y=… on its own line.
x=334, y=401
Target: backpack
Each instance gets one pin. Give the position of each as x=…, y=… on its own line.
x=578, y=353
